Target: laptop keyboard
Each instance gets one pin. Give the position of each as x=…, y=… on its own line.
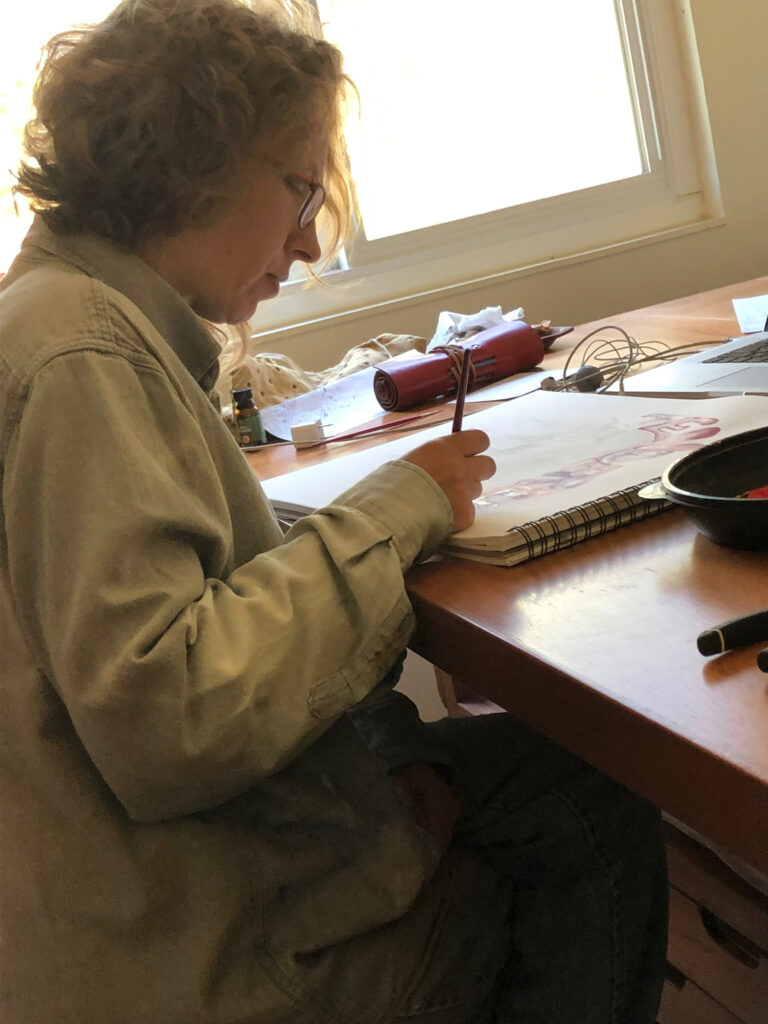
x=757, y=352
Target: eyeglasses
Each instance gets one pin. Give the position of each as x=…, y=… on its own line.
x=313, y=203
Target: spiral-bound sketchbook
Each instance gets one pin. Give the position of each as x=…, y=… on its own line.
x=569, y=466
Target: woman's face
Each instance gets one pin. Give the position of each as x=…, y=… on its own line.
x=226, y=267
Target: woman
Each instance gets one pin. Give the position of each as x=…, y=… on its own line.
x=214, y=807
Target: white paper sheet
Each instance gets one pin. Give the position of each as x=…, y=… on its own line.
x=751, y=313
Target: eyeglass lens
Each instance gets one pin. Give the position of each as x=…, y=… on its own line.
x=312, y=206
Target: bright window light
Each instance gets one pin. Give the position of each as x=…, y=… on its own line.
x=471, y=108
x=32, y=25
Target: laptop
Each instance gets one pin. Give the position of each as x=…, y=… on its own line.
x=733, y=368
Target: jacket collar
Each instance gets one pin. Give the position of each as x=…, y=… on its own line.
x=99, y=258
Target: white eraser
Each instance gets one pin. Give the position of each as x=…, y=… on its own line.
x=306, y=434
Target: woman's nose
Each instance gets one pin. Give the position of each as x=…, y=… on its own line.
x=304, y=244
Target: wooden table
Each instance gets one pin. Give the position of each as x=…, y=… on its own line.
x=595, y=645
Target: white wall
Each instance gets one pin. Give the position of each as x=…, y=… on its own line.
x=731, y=37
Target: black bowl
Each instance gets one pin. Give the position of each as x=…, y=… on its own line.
x=707, y=482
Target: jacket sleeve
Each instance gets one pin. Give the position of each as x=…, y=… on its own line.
x=393, y=731
x=188, y=677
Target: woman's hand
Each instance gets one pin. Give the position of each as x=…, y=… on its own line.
x=454, y=462
x=430, y=800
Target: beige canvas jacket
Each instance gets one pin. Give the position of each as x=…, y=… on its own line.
x=187, y=815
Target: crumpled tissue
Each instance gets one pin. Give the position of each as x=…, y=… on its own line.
x=453, y=327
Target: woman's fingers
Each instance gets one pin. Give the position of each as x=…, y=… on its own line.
x=456, y=463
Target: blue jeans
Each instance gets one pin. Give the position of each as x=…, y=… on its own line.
x=581, y=933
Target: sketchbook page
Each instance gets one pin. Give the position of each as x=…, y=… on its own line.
x=572, y=449
x=569, y=450
x=553, y=451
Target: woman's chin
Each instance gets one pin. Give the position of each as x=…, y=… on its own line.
x=266, y=288
x=233, y=313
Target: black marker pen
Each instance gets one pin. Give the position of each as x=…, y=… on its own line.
x=741, y=632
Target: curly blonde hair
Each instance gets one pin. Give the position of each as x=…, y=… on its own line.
x=141, y=120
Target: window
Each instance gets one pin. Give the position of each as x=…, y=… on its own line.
x=463, y=115
x=500, y=135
